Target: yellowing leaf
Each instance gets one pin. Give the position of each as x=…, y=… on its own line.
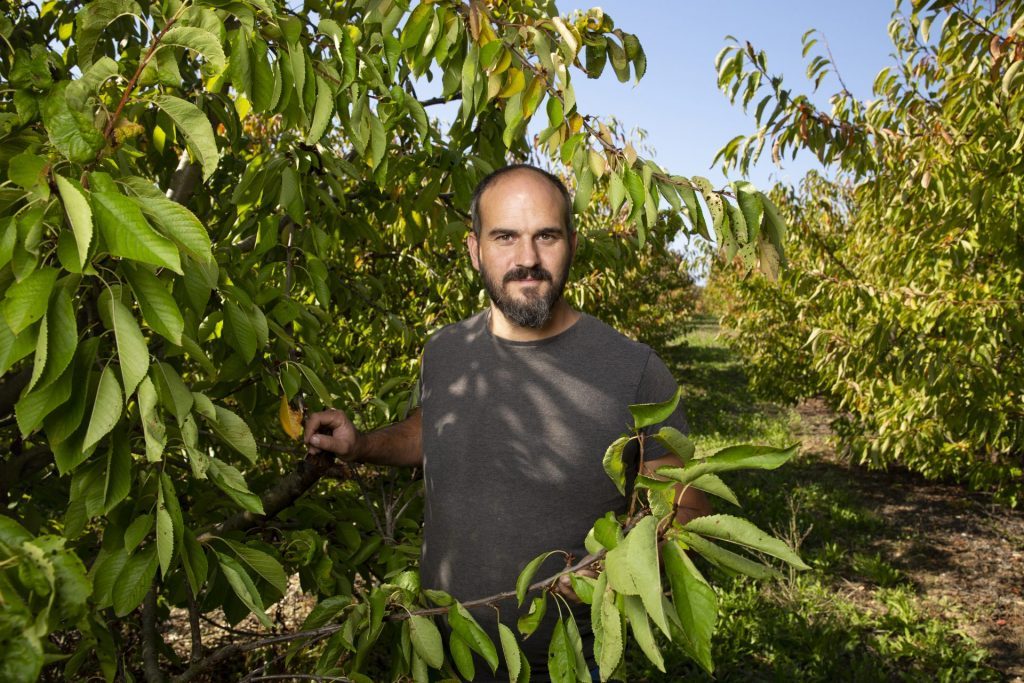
x=291, y=420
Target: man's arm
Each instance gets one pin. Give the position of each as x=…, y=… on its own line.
x=398, y=445
x=693, y=503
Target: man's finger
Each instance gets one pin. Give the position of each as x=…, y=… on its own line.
x=325, y=442
x=325, y=418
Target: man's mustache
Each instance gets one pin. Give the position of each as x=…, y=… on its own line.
x=522, y=273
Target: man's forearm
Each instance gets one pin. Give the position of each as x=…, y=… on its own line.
x=397, y=445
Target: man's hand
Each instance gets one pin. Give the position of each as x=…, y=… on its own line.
x=331, y=431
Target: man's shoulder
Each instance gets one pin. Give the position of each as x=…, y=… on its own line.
x=467, y=330
x=607, y=337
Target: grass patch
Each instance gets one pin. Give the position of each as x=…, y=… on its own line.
x=854, y=616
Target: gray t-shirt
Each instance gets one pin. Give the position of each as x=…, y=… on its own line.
x=513, y=438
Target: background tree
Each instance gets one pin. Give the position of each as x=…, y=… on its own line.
x=903, y=303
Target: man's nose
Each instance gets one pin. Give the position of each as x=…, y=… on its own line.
x=527, y=254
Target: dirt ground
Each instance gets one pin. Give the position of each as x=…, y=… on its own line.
x=964, y=554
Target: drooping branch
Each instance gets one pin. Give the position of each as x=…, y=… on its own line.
x=289, y=489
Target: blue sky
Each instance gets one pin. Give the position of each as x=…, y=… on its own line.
x=678, y=103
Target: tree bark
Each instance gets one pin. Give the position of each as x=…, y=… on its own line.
x=150, y=636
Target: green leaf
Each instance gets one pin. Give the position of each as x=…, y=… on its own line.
x=233, y=431
x=196, y=128
x=118, y=472
x=710, y=483
x=173, y=220
x=194, y=560
x=106, y=410
x=14, y=347
x=728, y=459
x=152, y=426
x=62, y=334
x=613, y=464
x=34, y=406
x=726, y=559
x=231, y=482
x=526, y=576
x=616, y=566
x=512, y=652
x=426, y=640
x=173, y=393
x=612, y=635
x=198, y=40
x=608, y=531
x=239, y=331
x=127, y=234
x=27, y=170
x=134, y=581
x=25, y=301
x=137, y=531
x=70, y=131
x=561, y=658
x=742, y=532
x=262, y=563
x=676, y=442
x=316, y=384
x=92, y=19
x=159, y=309
x=92, y=78
x=636, y=615
x=644, y=568
x=62, y=424
x=164, y=539
x=529, y=622
x=751, y=207
x=104, y=573
x=572, y=633
x=132, y=351
x=241, y=583
x=463, y=623
x=647, y=414
x=462, y=656
x=695, y=603
x=620, y=64
x=321, y=113
x=39, y=358
x=583, y=587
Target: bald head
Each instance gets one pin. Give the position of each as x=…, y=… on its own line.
x=522, y=178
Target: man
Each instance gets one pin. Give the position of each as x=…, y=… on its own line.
x=518, y=404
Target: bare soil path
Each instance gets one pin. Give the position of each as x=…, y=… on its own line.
x=964, y=554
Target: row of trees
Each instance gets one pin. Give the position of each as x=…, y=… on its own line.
x=903, y=302
x=216, y=215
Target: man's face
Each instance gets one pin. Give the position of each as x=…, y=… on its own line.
x=523, y=251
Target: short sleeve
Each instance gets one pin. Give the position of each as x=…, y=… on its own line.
x=658, y=385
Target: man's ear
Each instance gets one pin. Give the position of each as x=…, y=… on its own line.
x=572, y=245
x=473, y=245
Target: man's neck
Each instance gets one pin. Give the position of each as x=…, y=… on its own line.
x=562, y=318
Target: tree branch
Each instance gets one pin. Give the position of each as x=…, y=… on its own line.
x=277, y=498
x=184, y=180
x=150, y=648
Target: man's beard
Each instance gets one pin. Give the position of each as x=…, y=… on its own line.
x=531, y=309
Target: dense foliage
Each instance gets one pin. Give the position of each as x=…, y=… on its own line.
x=903, y=302
x=216, y=215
